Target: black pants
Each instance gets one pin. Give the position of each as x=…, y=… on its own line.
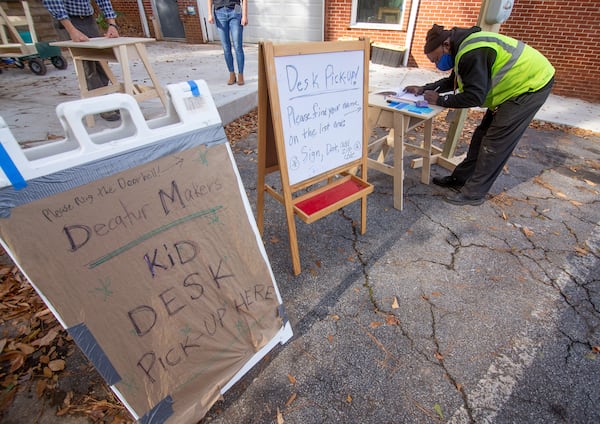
x=494, y=140
x=94, y=74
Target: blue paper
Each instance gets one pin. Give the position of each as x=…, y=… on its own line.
x=398, y=105
x=416, y=109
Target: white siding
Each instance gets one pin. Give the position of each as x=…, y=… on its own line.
x=284, y=21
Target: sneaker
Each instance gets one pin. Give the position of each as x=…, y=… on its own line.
x=448, y=182
x=461, y=199
x=113, y=115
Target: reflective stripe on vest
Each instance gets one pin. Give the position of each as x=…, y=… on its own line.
x=517, y=68
x=515, y=53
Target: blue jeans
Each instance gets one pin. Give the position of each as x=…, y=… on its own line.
x=229, y=25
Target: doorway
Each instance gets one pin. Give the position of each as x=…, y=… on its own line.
x=171, y=26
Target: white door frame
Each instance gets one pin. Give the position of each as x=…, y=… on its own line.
x=209, y=31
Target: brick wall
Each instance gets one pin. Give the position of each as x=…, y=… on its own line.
x=128, y=18
x=565, y=31
x=131, y=19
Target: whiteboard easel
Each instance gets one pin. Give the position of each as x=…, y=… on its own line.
x=312, y=100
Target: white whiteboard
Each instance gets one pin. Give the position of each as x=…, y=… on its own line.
x=321, y=104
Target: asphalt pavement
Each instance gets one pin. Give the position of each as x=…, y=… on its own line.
x=438, y=313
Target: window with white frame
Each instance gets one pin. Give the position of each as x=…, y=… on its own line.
x=377, y=13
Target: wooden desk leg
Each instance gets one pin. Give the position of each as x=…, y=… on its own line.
x=109, y=73
x=425, y=171
x=141, y=51
x=124, y=62
x=398, y=161
x=83, y=88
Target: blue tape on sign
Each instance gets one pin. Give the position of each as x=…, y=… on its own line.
x=194, y=87
x=10, y=169
x=282, y=314
x=160, y=413
x=90, y=347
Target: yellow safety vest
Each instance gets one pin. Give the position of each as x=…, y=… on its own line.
x=518, y=68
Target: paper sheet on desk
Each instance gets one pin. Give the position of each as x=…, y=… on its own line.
x=405, y=96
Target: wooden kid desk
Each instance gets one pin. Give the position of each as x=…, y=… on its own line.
x=117, y=50
x=400, y=121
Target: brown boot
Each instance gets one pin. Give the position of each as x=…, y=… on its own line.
x=231, y=78
x=240, y=79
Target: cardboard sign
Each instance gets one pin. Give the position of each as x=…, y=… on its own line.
x=158, y=275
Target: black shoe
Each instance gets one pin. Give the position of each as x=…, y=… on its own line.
x=461, y=199
x=113, y=115
x=448, y=181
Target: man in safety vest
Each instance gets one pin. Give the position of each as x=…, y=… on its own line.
x=511, y=79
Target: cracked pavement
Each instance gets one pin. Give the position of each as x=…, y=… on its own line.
x=439, y=313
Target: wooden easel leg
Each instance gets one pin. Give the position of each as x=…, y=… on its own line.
x=289, y=212
x=398, y=177
x=363, y=215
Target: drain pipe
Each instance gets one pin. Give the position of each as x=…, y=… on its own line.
x=410, y=31
x=143, y=18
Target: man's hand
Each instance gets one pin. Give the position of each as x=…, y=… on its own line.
x=112, y=32
x=431, y=96
x=74, y=33
x=414, y=89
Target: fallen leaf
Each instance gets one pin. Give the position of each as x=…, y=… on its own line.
x=349, y=399
x=290, y=399
x=527, y=232
x=48, y=372
x=395, y=303
x=291, y=378
x=438, y=356
x=588, y=182
x=330, y=338
x=561, y=194
x=25, y=348
x=391, y=319
x=375, y=324
x=39, y=388
x=436, y=293
x=335, y=317
x=279, y=417
x=57, y=365
x=48, y=338
x=438, y=410
x=274, y=240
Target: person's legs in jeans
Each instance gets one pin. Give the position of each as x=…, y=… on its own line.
x=222, y=21
x=237, y=31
